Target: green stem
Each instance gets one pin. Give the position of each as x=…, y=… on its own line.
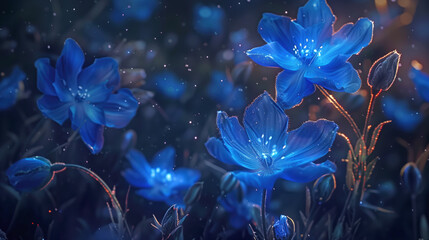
x=369, y=113
x=263, y=213
x=97, y=178
x=341, y=110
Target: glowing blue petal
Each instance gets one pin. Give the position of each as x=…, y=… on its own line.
x=317, y=16
x=421, y=82
x=266, y=125
x=274, y=55
x=185, y=178
x=137, y=179
x=102, y=71
x=401, y=114
x=164, y=159
x=237, y=141
x=292, y=87
x=45, y=76
x=349, y=40
x=53, y=108
x=280, y=29
x=338, y=76
x=217, y=149
x=257, y=179
x=94, y=113
x=70, y=62
x=308, y=143
x=138, y=162
x=309, y=172
x=62, y=90
x=92, y=136
x=119, y=108
x=153, y=194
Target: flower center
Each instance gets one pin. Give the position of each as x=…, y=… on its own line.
x=307, y=51
x=80, y=94
x=161, y=175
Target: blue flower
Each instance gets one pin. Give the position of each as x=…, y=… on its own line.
x=158, y=181
x=208, y=20
x=30, y=174
x=267, y=151
x=238, y=207
x=140, y=10
x=421, y=80
x=90, y=97
x=223, y=91
x=401, y=114
x=281, y=229
x=168, y=84
x=309, y=52
x=9, y=88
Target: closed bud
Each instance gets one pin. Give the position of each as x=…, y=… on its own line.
x=323, y=188
x=129, y=140
x=193, y=194
x=30, y=174
x=228, y=182
x=383, y=72
x=411, y=177
x=282, y=229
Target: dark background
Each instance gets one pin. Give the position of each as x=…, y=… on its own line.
x=73, y=207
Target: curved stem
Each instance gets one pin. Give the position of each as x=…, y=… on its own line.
x=263, y=210
x=341, y=110
x=106, y=188
x=369, y=113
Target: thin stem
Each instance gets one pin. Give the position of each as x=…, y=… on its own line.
x=414, y=211
x=100, y=181
x=369, y=113
x=341, y=110
x=263, y=210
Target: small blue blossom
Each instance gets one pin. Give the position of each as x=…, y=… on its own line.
x=281, y=229
x=168, y=84
x=140, y=10
x=401, y=114
x=158, y=181
x=30, y=174
x=90, y=97
x=267, y=151
x=9, y=88
x=222, y=90
x=239, y=208
x=310, y=52
x=208, y=20
x=421, y=81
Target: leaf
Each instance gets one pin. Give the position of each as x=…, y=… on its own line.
x=422, y=159
x=193, y=194
x=370, y=168
x=350, y=176
x=375, y=135
x=303, y=218
x=375, y=208
x=360, y=150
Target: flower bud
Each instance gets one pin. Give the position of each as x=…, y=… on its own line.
x=411, y=177
x=282, y=229
x=228, y=182
x=383, y=72
x=129, y=140
x=30, y=174
x=193, y=194
x=324, y=187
